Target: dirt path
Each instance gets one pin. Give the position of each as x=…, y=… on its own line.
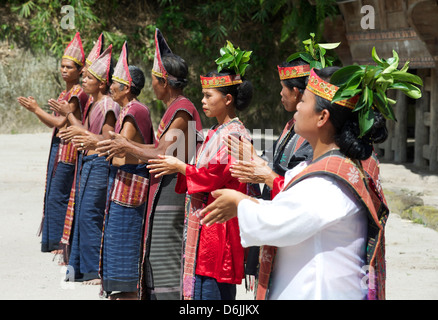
x=26, y=273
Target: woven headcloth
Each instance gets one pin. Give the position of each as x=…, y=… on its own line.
x=121, y=71
x=75, y=51
x=101, y=67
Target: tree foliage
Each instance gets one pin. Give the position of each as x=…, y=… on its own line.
x=196, y=30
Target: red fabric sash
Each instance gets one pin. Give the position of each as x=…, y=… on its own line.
x=96, y=119
x=338, y=166
x=142, y=119
x=67, y=152
x=130, y=190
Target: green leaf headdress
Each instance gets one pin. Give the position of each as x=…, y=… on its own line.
x=370, y=84
x=314, y=56
x=233, y=59
x=315, y=53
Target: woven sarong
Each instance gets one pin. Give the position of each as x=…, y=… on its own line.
x=160, y=268
x=121, y=241
x=89, y=215
x=57, y=197
x=65, y=154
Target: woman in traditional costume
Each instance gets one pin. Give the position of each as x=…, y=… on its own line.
x=213, y=257
x=289, y=149
x=93, y=171
x=128, y=185
x=180, y=134
x=67, y=134
x=323, y=249
x=62, y=156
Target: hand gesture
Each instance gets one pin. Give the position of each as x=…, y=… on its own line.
x=113, y=147
x=70, y=132
x=165, y=165
x=86, y=141
x=29, y=103
x=223, y=208
x=61, y=107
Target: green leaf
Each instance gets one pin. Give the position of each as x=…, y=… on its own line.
x=308, y=41
x=409, y=89
x=344, y=74
x=383, y=107
x=366, y=120
x=316, y=65
x=361, y=103
x=306, y=57
x=225, y=59
x=294, y=56
x=242, y=69
x=329, y=46
x=407, y=77
x=375, y=56
x=405, y=67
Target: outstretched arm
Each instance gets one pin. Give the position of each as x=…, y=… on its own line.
x=49, y=120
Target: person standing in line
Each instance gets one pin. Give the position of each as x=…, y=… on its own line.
x=59, y=107
x=213, y=256
x=180, y=134
x=62, y=156
x=128, y=185
x=318, y=249
x=93, y=170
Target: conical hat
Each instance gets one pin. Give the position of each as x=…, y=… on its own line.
x=161, y=49
x=121, y=71
x=75, y=51
x=96, y=51
x=101, y=66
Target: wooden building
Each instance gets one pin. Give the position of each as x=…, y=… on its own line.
x=409, y=27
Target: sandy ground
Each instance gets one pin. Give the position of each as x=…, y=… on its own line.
x=26, y=273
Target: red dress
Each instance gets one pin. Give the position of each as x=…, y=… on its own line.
x=220, y=254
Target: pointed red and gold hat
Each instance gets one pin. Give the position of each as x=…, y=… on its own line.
x=101, y=66
x=161, y=49
x=75, y=51
x=96, y=51
x=121, y=71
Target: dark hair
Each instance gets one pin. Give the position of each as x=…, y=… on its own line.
x=346, y=124
x=177, y=67
x=138, y=79
x=300, y=82
x=242, y=93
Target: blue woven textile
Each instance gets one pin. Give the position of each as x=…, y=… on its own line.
x=58, y=187
x=89, y=216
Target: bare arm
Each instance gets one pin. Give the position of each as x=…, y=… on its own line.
x=86, y=140
x=120, y=146
x=49, y=120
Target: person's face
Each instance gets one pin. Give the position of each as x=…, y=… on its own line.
x=117, y=94
x=213, y=103
x=306, y=117
x=69, y=72
x=289, y=98
x=84, y=69
x=158, y=87
x=90, y=83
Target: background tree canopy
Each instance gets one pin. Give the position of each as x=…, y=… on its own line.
x=195, y=30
